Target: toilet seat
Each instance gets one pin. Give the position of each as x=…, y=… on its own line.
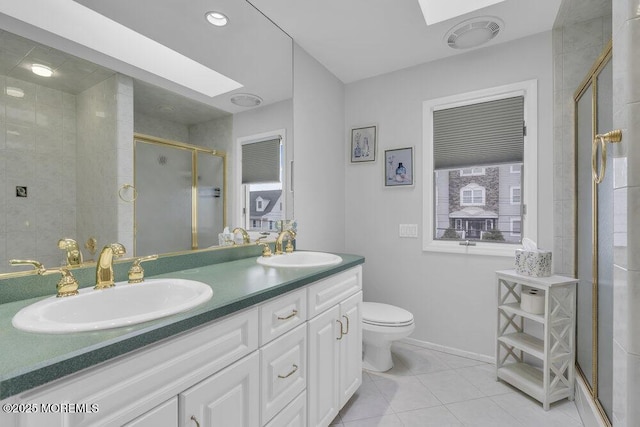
x=378, y=314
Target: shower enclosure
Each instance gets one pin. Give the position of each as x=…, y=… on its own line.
x=594, y=232
x=180, y=202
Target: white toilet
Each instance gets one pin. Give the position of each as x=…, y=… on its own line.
x=381, y=325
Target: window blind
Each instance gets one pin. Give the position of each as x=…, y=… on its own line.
x=486, y=133
x=261, y=162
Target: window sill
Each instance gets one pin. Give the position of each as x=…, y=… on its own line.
x=490, y=249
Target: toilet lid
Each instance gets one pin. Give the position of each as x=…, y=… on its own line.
x=375, y=313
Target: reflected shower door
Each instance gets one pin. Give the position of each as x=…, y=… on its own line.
x=163, y=179
x=210, y=199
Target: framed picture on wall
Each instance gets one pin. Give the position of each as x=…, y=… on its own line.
x=398, y=167
x=363, y=144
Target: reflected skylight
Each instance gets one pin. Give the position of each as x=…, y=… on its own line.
x=435, y=11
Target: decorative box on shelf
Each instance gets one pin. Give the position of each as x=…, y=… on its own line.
x=552, y=377
x=533, y=263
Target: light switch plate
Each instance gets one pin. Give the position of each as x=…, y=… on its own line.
x=408, y=230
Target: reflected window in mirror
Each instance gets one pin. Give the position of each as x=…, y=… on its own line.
x=262, y=169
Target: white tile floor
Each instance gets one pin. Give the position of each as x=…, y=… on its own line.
x=430, y=388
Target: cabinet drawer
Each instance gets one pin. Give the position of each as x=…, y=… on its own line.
x=127, y=387
x=165, y=415
x=282, y=314
x=329, y=292
x=294, y=415
x=283, y=370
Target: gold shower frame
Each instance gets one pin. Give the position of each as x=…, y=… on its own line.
x=591, y=81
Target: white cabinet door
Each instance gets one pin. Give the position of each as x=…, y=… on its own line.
x=323, y=334
x=350, y=347
x=228, y=398
x=165, y=414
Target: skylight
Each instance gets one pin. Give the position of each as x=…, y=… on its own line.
x=435, y=11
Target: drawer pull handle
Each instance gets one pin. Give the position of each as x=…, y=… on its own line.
x=293, y=313
x=345, y=333
x=195, y=420
x=341, y=333
x=295, y=368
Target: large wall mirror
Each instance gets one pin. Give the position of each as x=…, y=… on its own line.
x=67, y=159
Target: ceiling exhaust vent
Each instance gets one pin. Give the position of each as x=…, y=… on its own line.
x=474, y=32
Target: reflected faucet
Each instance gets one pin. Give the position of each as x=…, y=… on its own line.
x=67, y=285
x=104, y=267
x=74, y=256
x=291, y=236
x=245, y=236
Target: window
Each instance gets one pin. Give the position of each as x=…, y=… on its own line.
x=516, y=225
x=516, y=198
x=262, y=175
x=471, y=171
x=472, y=195
x=480, y=155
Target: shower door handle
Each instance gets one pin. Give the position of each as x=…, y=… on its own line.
x=601, y=141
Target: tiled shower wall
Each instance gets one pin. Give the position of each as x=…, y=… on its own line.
x=576, y=46
x=626, y=88
x=38, y=151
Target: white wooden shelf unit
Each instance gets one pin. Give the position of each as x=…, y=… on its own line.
x=556, y=349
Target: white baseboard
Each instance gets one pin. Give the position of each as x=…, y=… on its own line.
x=450, y=350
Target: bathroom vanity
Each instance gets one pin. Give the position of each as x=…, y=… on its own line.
x=273, y=347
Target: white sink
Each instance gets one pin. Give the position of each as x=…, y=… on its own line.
x=300, y=259
x=123, y=305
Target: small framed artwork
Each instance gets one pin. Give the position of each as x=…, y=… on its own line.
x=398, y=167
x=363, y=144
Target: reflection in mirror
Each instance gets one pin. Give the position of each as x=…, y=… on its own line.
x=66, y=142
x=179, y=196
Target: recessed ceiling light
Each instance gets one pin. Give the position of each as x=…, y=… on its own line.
x=216, y=18
x=41, y=70
x=16, y=92
x=246, y=100
x=473, y=32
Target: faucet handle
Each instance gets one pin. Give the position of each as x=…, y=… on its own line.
x=136, y=272
x=67, y=285
x=36, y=264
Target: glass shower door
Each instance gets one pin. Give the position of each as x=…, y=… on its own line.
x=594, y=236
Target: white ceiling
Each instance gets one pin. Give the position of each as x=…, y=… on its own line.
x=356, y=39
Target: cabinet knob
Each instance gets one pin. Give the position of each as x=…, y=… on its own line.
x=195, y=420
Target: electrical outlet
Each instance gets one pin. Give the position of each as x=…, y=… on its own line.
x=408, y=230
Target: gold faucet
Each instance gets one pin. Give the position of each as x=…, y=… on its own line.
x=67, y=285
x=136, y=272
x=104, y=266
x=74, y=256
x=245, y=236
x=291, y=236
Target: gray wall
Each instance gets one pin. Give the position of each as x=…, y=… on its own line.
x=320, y=155
x=452, y=296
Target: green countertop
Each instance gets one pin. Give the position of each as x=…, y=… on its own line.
x=31, y=359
